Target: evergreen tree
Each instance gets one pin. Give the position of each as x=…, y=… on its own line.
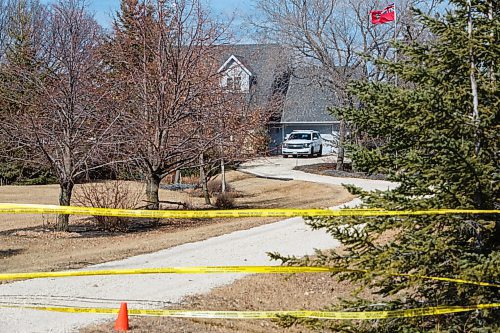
x=443, y=156
x=129, y=27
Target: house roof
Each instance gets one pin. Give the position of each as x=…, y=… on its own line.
x=306, y=99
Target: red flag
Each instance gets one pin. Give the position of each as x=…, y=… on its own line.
x=385, y=15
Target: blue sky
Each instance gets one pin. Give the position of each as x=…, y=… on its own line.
x=105, y=9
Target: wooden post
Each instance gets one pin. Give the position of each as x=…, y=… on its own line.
x=178, y=177
x=223, y=175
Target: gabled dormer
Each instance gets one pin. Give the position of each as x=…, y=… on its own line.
x=236, y=76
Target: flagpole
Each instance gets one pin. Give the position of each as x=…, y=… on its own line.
x=395, y=39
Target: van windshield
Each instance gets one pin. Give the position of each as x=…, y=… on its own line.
x=300, y=136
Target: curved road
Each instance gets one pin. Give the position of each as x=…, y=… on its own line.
x=247, y=247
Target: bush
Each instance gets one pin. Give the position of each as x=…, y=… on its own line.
x=225, y=201
x=215, y=187
x=109, y=194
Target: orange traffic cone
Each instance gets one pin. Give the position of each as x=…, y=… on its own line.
x=121, y=323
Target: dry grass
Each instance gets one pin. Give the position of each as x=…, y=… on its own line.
x=28, y=244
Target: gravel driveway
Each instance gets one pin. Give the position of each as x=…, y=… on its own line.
x=246, y=247
x=280, y=167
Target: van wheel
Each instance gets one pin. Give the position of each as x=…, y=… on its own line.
x=285, y=156
x=320, y=151
x=312, y=152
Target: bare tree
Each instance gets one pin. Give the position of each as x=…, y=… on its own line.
x=4, y=14
x=333, y=35
x=161, y=52
x=234, y=127
x=67, y=122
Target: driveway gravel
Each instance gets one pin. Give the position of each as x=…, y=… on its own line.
x=248, y=247
x=279, y=167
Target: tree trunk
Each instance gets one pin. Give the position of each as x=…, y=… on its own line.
x=475, y=99
x=473, y=83
x=177, y=179
x=152, y=188
x=492, y=35
x=223, y=175
x=340, y=152
x=62, y=223
x=203, y=180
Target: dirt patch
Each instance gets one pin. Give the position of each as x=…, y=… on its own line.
x=328, y=169
x=27, y=243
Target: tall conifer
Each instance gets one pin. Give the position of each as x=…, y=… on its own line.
x=443, y=157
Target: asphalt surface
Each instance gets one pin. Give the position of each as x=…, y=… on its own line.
x=247, y=247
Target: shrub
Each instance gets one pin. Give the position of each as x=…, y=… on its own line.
x=109, y=194
x=225, y=201
x=215, y=186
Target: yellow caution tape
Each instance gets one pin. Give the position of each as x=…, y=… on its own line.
x=444, y=279
x=365, y=315
x=222, y=269
x=7, y=208
x=172, y=270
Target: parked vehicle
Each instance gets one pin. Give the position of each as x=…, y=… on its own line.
x=303, y=142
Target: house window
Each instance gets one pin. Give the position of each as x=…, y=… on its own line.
x=237, y=83
x=229, y=83
x=233, y=83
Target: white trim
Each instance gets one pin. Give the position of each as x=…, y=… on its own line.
x=232, y=57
